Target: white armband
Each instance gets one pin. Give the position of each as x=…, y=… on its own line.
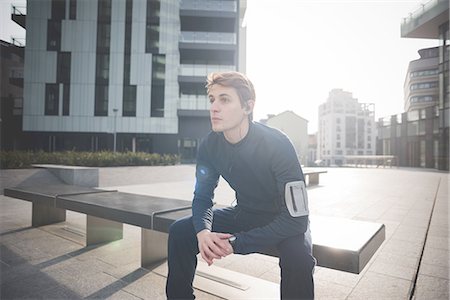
x=296, y=198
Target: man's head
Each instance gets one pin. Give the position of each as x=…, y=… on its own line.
x=240, y=83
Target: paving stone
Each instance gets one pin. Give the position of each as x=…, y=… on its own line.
x=429, y=287
x=90, y=285
x=57, y=293
x=150, y=287
x=252, y=266
x=438, y=242
x=28, y=285
x=438, y=257
x=442, y=272
x=379, y=286
x=400, y=247
x=122, y=295
x=338, y=277
x=393, y=270
x=411, y=234
x=325, y=290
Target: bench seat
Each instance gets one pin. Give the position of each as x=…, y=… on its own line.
x=341, y=244
x=313, y=175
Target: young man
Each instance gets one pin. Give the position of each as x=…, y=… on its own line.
x=261, y=165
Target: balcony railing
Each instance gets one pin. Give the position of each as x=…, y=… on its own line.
x=203, y=70
x=209, y=5
x=193, y=102
x=208, y=37
x=16, y=73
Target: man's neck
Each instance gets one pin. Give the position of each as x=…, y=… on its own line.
x=238, y=133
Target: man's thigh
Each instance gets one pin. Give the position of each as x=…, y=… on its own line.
x=225, y=220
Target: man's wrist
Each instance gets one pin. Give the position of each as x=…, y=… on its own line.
x=232, y=240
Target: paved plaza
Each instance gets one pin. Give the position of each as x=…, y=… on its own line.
x=42, y=263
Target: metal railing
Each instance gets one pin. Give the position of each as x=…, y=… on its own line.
x=18, y=10
x=419, y=11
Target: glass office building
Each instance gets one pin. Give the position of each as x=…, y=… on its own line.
x=133, y=69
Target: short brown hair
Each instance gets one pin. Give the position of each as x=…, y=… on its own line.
x=243, y=86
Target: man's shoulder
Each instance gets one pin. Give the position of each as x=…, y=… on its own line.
x=268, y=132
x=211, y=139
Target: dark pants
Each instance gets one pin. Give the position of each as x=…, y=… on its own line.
x=296, y=261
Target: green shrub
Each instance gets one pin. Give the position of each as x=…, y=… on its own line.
x=24, y=159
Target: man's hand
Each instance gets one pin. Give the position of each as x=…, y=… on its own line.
x=213, y=245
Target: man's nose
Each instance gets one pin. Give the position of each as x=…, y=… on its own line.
x=214, y=107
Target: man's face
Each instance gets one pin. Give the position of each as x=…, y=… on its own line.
x=226, y=111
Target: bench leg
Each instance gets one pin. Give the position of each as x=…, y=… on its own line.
x=313, y=179
x=153, y=248
x=100, y=230
x=45, y=214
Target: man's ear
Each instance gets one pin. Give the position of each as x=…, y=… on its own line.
x=250, y=104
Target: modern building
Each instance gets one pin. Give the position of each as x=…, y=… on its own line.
x=296, y=128
x=346, y=128
x=422, y=80
x=312, y=150
x=11, y=95
x=420, y=137
x=131, y=74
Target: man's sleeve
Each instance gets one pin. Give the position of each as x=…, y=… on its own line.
x=286, y=169
x=206, y=181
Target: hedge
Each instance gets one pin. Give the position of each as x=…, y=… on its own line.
x=25, y=159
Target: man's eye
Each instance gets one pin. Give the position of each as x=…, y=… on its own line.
x=224, y=99
x=211, y=100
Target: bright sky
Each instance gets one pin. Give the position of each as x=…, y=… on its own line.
x=298, y=50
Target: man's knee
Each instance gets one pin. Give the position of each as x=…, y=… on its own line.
x=296, y=255
x=182, y=229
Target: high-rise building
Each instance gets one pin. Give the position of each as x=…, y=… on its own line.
x=346, y=128
x=420, y=136
x=422, y=80
x=11, y=95
x=130, y=74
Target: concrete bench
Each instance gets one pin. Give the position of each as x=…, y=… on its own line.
x=313, y=175
x=340, y=244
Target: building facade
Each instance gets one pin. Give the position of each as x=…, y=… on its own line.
x=421, y=88
x=129, y=74
x=420, y=136
x=296, y=128
x=11, y=96
x=346, y=127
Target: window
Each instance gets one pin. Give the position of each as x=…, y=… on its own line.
x=51, y=99
x=423, y=85
x=152, y=26
x=101, y=100
x=102, y=68
x=63, y=67
x=53, y=35
x=158, y=82
x=424, y=73
x=58, y=9
x=129, y=100
x=103, y=36
x=72, y=9
x=66, y=99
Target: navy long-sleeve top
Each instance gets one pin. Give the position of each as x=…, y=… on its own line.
x=257, y=168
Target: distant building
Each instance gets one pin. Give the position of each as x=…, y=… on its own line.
x=312, y=150
x=346, y=127
x=422, y=80
x=296, y=128
x=420, y=136
x=11, y=96
x=133, y=69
